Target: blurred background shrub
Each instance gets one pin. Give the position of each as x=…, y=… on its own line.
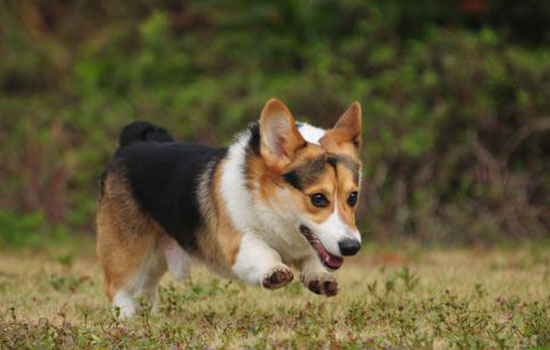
x=455, y=96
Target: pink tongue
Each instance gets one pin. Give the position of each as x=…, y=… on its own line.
x=334, y=261
x=330, y=260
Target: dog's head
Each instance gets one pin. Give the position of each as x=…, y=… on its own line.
x=313, y=186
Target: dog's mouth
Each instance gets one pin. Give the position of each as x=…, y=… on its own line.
x=329, y=260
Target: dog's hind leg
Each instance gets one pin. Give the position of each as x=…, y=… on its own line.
x=177, y=259
x=128, y=249
x=143, y=283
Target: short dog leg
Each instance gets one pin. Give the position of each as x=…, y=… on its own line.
x=142, y=283
x=178, y=261
x=317, y=279
x=257, y=263
x=125, y=303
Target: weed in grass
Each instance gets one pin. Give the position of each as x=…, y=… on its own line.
x=410, y=280
x=480, y=290
x=66, y=260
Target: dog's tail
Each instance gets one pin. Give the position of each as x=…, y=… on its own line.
x=142, y=132
x=132, y=133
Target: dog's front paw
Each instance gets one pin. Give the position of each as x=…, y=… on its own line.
x=277, y=277
x=322, y=284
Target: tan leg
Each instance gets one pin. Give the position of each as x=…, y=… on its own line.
x=127, y=248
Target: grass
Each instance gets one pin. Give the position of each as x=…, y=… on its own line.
x=405, y=298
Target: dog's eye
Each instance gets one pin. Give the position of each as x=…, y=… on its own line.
x=319, y=200
x=352, y=199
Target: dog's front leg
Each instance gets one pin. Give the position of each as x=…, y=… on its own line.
x=258, y=263
x=316, y=278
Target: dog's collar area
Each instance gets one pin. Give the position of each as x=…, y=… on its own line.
x=329, y=260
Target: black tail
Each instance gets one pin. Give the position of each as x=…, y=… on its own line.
x=142, y=132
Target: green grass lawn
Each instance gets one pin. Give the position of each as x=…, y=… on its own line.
x=389, y=299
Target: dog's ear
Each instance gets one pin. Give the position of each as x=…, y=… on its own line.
x=279, y=137
x=346, y=135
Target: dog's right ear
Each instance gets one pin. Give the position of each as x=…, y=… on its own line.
x=279, y=137
x=345, y=136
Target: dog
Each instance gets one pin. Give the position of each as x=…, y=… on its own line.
x=282, y=194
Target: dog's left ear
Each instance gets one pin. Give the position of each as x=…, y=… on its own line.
x=279, y=137
x=346, y=135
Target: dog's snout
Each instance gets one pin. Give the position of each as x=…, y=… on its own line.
x=349, y=246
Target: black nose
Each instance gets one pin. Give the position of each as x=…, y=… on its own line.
x=349, y=246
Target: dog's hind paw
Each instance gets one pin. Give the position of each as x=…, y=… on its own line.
x=277, y=277
x=323, y=285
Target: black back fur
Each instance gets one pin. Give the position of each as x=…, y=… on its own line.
x=164, y=176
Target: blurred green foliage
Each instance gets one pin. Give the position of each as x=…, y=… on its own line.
x=455, y=98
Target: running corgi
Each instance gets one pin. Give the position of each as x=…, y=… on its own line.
x=282, y=194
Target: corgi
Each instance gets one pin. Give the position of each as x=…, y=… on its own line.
x=282, y=194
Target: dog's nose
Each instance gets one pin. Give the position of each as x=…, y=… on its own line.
x=349, y=246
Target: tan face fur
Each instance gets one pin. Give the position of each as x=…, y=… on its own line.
x=293, y=171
